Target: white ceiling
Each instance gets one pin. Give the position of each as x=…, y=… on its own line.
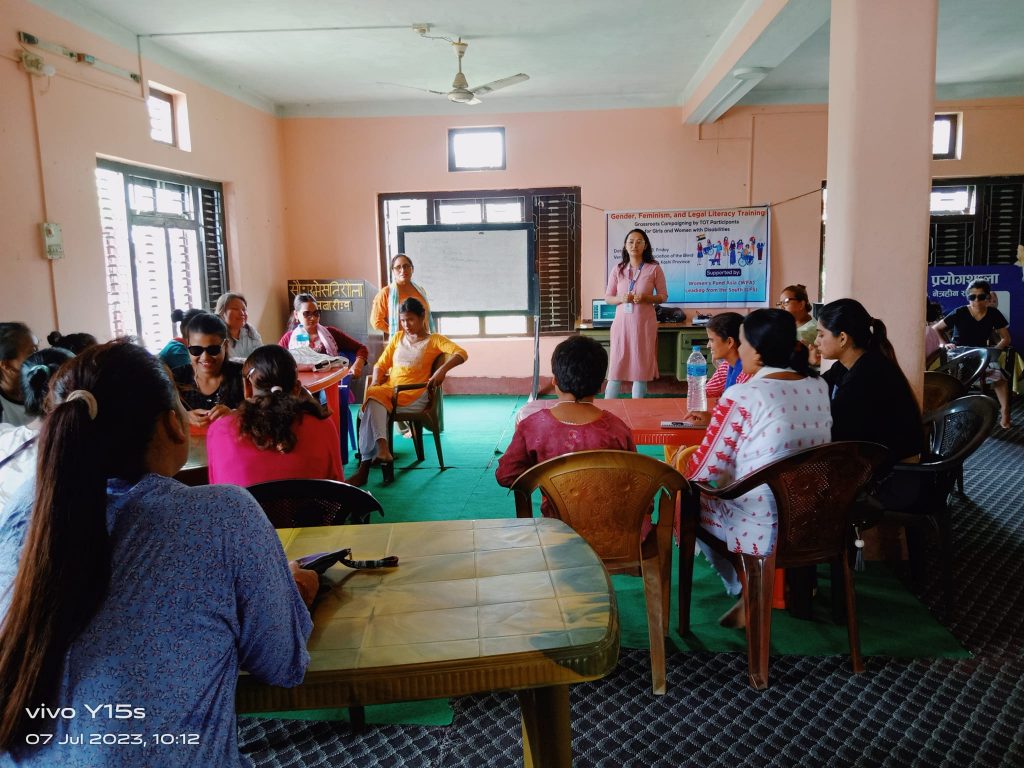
x=580, y=54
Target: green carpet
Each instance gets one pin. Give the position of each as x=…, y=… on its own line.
x=478, y=428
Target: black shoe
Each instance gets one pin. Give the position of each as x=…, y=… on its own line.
x=387, y=469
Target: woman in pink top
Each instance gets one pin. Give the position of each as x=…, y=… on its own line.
x=636, y=284
x=277, y=433
x=575, y=424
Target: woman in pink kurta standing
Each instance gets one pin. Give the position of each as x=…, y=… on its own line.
x=637, y=283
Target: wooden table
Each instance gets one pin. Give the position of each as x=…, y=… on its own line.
x=642, y=416
x=475, y=605
x=196, y=469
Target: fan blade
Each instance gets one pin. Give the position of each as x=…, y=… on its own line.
x=414, y=88
x=505, y=82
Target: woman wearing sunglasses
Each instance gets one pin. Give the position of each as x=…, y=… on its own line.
x=325, y=339
x=211, y=385
x=975, y=325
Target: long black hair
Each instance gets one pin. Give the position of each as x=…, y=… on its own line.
x=36, y=372
x=726, y=325
x=75, y=343
x=772, y=334
x=121, y=392
x=269, y=418
x=866, y=332
x=648, y=254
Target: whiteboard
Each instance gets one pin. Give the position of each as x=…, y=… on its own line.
x=479, y=268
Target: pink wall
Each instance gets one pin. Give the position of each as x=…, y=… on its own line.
x=51, y=132
x=302, y=193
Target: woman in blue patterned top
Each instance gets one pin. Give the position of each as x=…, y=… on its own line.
x=137, y=600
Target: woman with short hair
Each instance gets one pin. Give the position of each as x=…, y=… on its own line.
x=211, y=385
x=242, y=339
x=325, y=339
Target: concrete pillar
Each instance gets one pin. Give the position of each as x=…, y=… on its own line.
x=880, y=113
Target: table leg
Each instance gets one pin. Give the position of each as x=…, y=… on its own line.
x=333, y=404
x=547, y=734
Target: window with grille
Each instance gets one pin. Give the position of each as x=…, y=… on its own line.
x=163, y=244
x=553, y=210
x=976, y=221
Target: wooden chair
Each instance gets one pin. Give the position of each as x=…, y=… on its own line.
x=303, y=503
x=939, y=389
x=955, y=432
x=605, y=496
x=813, y=491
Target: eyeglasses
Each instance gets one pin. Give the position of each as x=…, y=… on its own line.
x=977, y=297
x=402, y=267
x=784, y=302
x=312, y=313
x=213, y=350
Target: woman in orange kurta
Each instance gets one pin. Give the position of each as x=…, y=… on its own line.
x=407, y=359
x=384, y=312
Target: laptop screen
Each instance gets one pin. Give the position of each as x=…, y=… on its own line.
x=602, y=313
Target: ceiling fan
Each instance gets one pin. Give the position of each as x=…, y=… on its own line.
x=461, y=93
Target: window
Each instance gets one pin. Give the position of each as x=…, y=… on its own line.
x=945, y=137
x=553, y=210
x=168, y=116
x=163, y=243
x=976, y=221
x=476, y=149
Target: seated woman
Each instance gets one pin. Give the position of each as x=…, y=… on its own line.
x=174, y=353
x=975, y=325
x=75, y=343
x=242, y=339
x=325, y=339
x=407, y=359
x=18, y=444
x=578, y=366
x=277, y=433
x=782, y=408
x=871, y=397
x=211, y=386
x=16, y=343
x=134, y=588
x=724, y=346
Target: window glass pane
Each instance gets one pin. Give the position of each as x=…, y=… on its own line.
x=504, y=211
x=504, y=324
x=143, y=197
x=116, y=253
x=154, y=287
x=478, y=149
x=953, y=201
x=459, y=212
x=398, y=213
x=173, y=199
x=941, y=136
x=459, y=326
x=161, y=118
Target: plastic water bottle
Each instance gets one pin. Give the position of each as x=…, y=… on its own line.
x=302, y=338
x=696, y=378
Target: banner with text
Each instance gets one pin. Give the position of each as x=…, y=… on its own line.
x=948, y=286
x=712, y=257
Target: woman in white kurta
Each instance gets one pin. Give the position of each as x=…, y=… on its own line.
x=783, y=408
x=636, y=284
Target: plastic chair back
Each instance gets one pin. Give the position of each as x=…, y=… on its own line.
x=304, y=503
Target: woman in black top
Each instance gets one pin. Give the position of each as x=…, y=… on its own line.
x=211, y=385
x=871, y=398
x=974, y=326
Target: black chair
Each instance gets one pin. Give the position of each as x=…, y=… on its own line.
x=303, y=503
x=813, y=489
x=940, y=389
x=968, y=366
x=954, y=433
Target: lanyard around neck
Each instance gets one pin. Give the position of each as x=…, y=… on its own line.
x=632, y=281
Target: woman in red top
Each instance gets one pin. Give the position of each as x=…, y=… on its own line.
x=325, y=339
x=277, y=433
x=578, y=366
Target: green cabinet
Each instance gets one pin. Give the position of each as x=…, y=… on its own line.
x=674, y=340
